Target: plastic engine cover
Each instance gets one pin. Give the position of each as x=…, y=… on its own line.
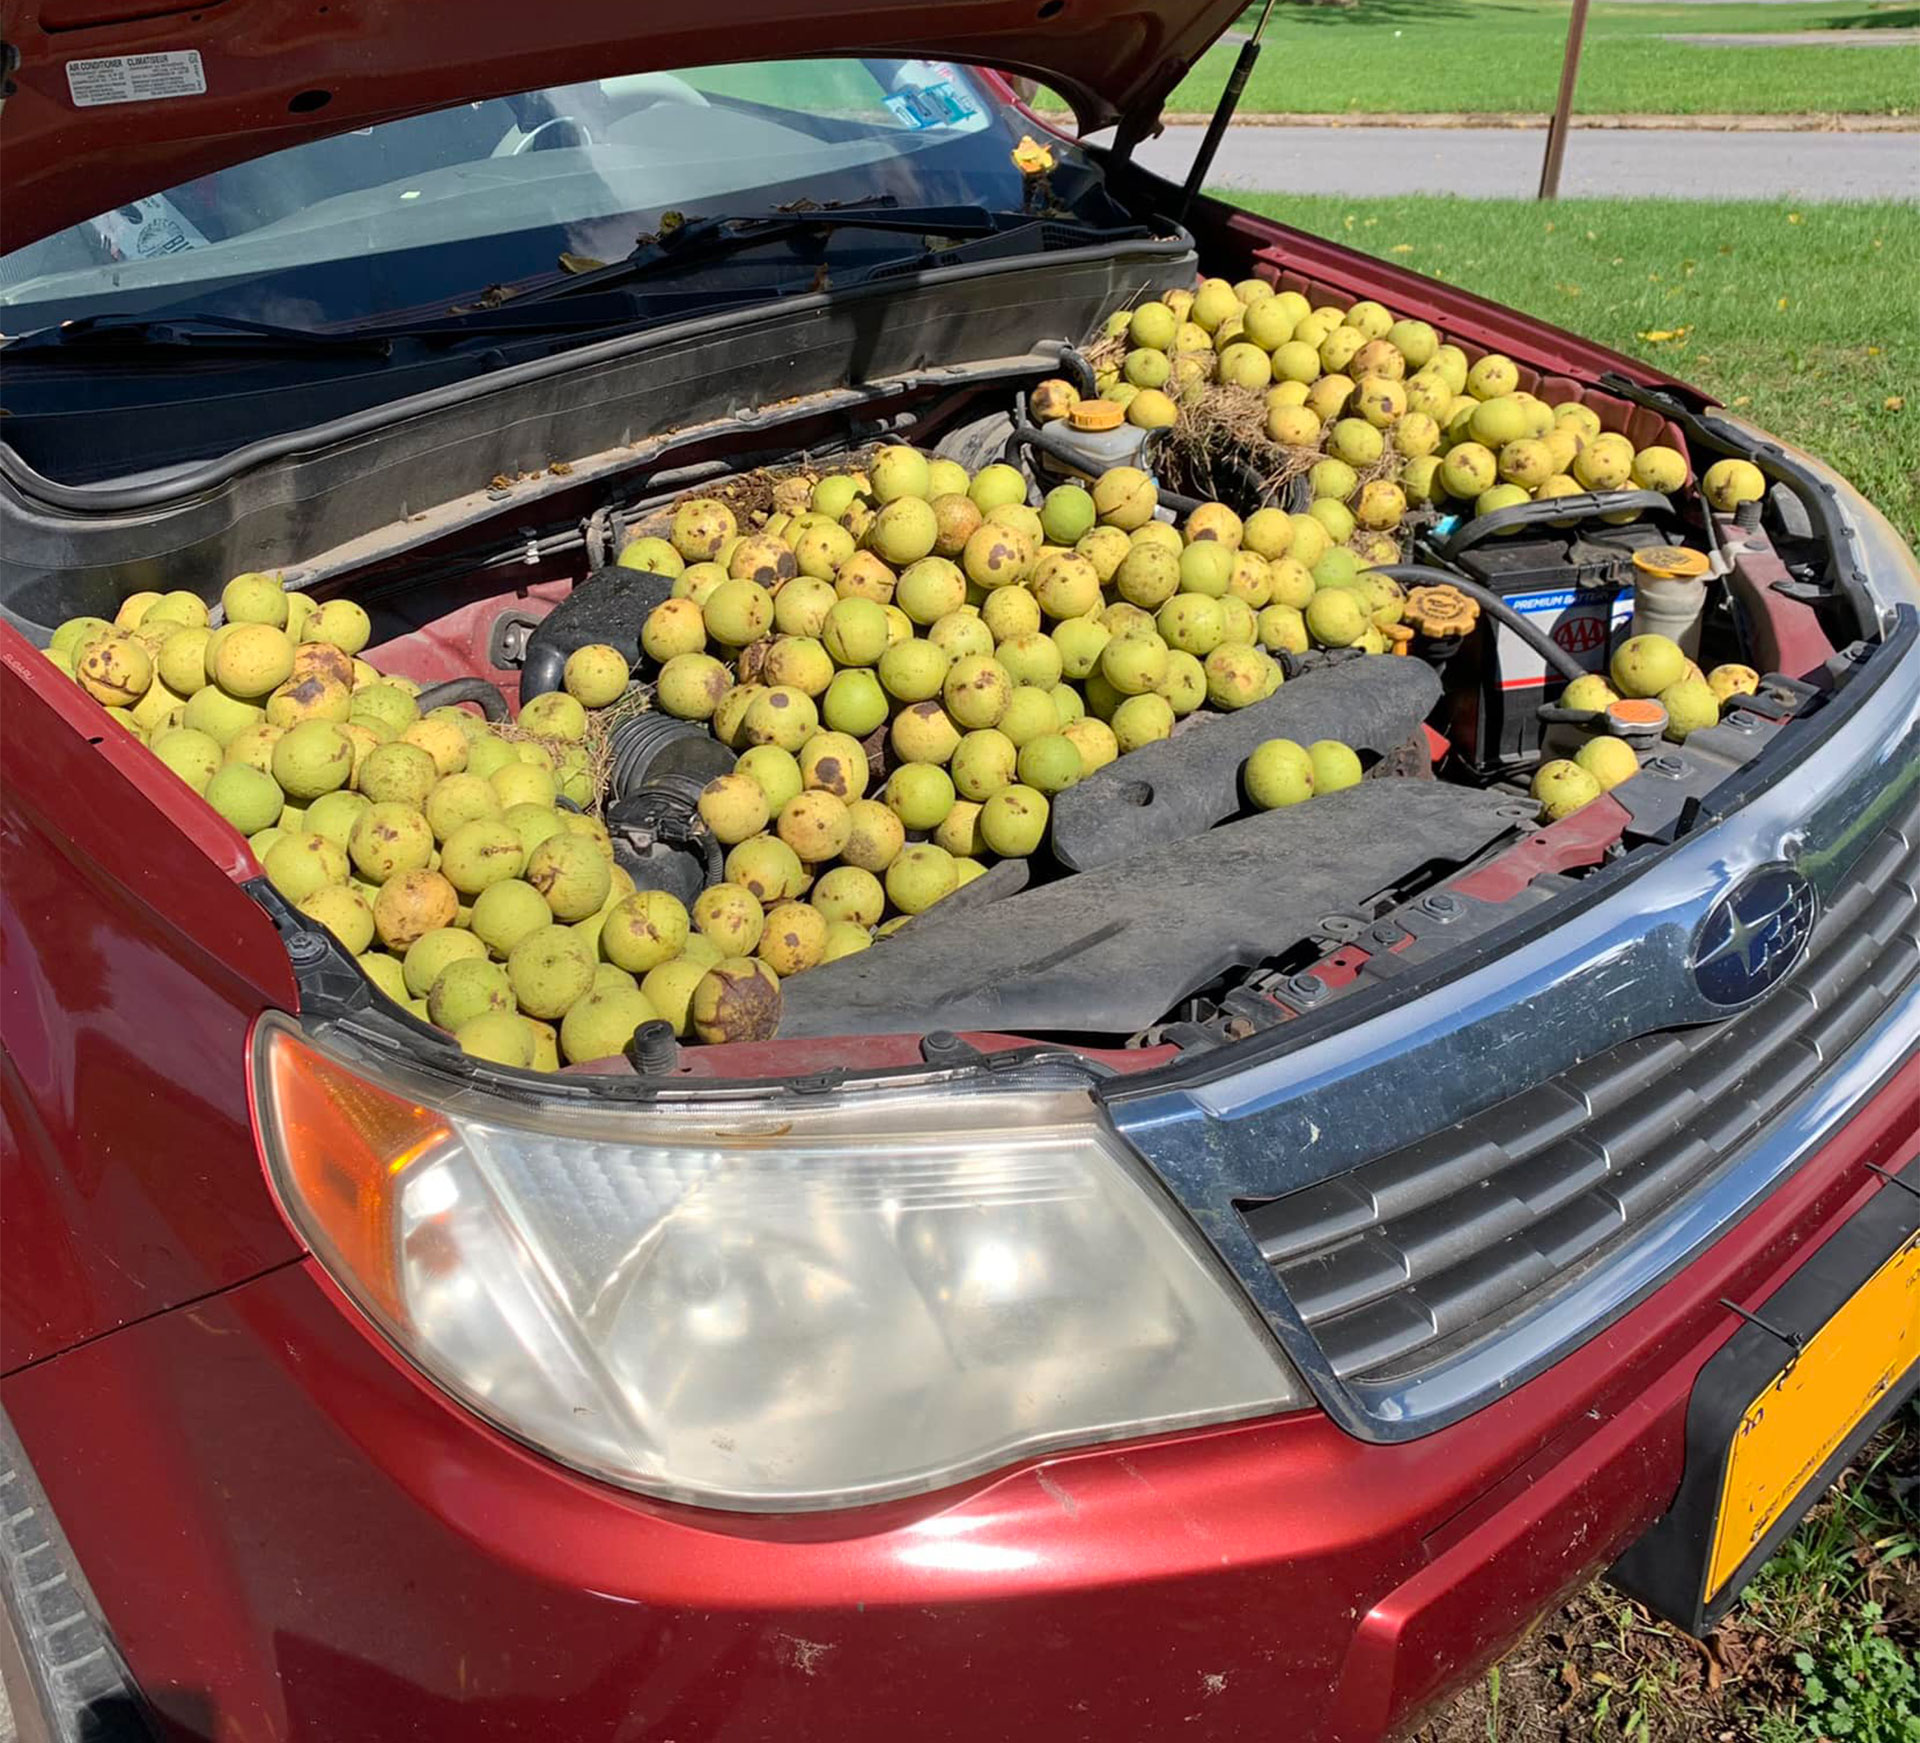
x=608, y=606
x=1112, y=951
x=1191, y=781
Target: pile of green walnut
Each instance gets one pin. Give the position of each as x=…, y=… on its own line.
x=431, y=846
x=910, y=660
x=1381, y=414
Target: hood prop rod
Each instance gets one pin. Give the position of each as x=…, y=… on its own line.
x=1223, y=113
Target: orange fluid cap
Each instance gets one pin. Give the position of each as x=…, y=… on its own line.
x=1671, y=563
x=1637, y=711
x=1440, y=611
x=1097, y=414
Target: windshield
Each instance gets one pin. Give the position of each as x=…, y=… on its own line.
x=421, y=214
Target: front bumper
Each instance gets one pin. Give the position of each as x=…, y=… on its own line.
x=292, y=1536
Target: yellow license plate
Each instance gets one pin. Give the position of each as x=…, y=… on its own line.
x=1797, y=1424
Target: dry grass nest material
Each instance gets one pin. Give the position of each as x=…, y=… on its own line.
x=1219, y=443
x=1109, y=351
x=596, y=741
x=755, y=496
x=1224, y=423
x=1106, y=352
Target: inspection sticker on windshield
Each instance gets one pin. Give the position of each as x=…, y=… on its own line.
x=136, y=78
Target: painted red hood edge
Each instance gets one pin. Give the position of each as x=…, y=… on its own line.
x=278, y=73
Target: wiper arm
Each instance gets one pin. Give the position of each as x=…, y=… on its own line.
x=131, y=335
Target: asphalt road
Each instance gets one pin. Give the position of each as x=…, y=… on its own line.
x=1494, y=161
x=1897, y=38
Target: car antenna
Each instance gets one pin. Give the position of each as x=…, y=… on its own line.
x=1223, y=113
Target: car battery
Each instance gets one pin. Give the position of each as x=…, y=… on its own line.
x=1579, y=589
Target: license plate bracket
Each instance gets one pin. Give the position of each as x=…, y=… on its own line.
x=1780, y=1409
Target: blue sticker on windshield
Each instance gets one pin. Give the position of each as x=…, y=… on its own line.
x=940, y=105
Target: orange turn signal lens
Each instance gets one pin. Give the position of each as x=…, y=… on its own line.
x=340, y=1145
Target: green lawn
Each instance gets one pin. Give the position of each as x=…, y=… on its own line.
x=1803, y=320
x=1503, y=56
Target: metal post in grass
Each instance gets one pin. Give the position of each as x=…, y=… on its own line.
x=1563, y=104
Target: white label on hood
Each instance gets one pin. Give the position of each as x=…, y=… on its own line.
x=136, y=78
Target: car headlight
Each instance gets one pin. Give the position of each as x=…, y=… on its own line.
x=760, y=1304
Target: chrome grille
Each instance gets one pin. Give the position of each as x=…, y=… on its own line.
x=1410, y=1259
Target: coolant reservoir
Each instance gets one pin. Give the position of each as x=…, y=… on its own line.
x=1670, y=592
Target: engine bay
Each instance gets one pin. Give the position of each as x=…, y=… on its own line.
x=1143, y=693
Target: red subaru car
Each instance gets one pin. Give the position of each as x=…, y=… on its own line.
x=1196, y=1292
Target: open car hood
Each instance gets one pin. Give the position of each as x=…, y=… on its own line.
x=226, y=80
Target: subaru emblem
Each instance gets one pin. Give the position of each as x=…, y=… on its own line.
x=1753, y=935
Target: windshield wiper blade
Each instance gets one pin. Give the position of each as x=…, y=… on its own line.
x=109, y=335
x=701, y=239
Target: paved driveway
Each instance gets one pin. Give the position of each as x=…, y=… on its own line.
x=1493, y=161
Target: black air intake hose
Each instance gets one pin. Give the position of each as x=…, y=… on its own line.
x=651, y=749
x=683, y=872
x=609, y=606
x=653, y=788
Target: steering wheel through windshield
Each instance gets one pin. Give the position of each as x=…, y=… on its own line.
x=562, y=132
